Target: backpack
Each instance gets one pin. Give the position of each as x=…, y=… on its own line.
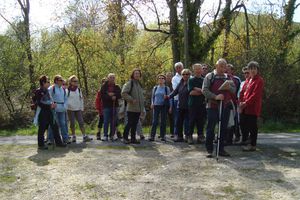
x=131, y=86
x=53, y=90
x=166, y=92
x=80, y=96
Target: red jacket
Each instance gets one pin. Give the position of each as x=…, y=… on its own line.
x=98, y=103
x=251, y=94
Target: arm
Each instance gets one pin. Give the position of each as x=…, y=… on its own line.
x=256, y=92
x=81, y=101
x=38, y=100
x=206, y=88
x=125, y=92
x=118, y=92
x=175, y=92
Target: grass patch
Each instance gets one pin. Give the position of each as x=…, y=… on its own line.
x=277, y=127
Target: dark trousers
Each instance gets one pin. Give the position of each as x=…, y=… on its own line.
x=45, y=119
x=183, y=115
x=212, y=120
x=249, y=125
x=234, y=130
x=133, y=119
x=101, y=121
x=171, y=121
x=162, y=111
x=197, y=117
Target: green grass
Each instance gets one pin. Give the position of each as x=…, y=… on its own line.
x=277, y=127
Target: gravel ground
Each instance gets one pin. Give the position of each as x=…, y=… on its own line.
x=105, y=170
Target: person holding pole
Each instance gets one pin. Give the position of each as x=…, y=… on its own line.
x=110, y=94
x=218, y=101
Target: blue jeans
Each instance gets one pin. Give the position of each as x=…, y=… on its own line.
x=162, y=111
x=212, y=120
x=61, y=119
x=110, y=118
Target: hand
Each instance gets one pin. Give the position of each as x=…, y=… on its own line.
x=53, y=105
x=113, y=98
x=111, y=94
x=242, y=105
x=166, y=97
x=219, y=97
x=152, y=106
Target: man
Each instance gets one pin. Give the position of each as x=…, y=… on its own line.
x=110, y=94
x=251, y=103
x=168, y=83
x=204, y=70
x=196, y=105
x=233, y=130
x=58, y=94
x=212, y=82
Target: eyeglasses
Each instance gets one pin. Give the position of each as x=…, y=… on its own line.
x=185, y=74
x=75, y=81
x=204, y=68
x=59, y=80
x=162, y=78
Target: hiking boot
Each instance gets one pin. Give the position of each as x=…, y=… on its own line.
x=74, y=139
x=151, y=139
x=163, y=139
x=43, y=147
x=126, y=141
x=105, y=139
x=249, y=148
x=209, y=154
x=98, y=136
x=190, y=140
x=87, y=138
x=67, y=141
x=224, y=154
x=142, y=137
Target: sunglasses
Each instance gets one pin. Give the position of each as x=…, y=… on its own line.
x=185, y=74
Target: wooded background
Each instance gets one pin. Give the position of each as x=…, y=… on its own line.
x=99, y=37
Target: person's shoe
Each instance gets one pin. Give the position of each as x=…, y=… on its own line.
x=105, y=139
x=67, y=141
x=142, y=137
x=163, y=139
x=237, y=140
x=190, y=140
x=158, y=137
x=119, y=135
x=244, y=143
x=74, y=139
x=185, y=138
x=61, y=145
x=98, y=136
x=87, y=138
x=126, y=141
x=179, y=140
x=43, y=147
x=112, y=139
x=209, y=154
x=49, y=142
x=151, y=139
x=249, y=148
x=200, y=139
x=134, y=141
x=172, y=135
x=224, y=154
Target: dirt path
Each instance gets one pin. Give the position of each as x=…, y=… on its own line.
x=149, y=171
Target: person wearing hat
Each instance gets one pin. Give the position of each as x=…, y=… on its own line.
x=251, y=103
x=159, y=105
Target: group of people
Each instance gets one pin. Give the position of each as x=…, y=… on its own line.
x=185, y=100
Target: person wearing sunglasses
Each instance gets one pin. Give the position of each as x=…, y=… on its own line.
x=183, y=95
x=59, y=96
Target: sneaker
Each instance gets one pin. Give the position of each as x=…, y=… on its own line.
x=158, y=137
x=43, y=147
x=209, y=154
x=151, y=139
x=126, y=141
x=224, y=154
x=67, y=141
x=172, y=135
x=185, y=138
x=74, y=139
x=249, y=148
x=190, y=140
x=49, y=142
x=87, y=138
x=98, y=136
x=105, y=139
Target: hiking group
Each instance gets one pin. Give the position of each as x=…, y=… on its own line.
x=185, y=100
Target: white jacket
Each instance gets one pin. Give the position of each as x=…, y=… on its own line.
x=75, y=100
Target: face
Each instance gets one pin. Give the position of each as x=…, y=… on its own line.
x=169, y=77
x=253, y=72
x=186, y=76
x=111, y=79
x=204, y=70
x=197, y=70
x=221, y=68
x=59, y=82
x=137, y=75
x=179, y=69
x=161, y=80
x=229, y=70
x=47, y=84
x=74, y=82
x=246, y=74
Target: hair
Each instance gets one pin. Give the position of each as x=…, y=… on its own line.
x=43, y=79
x=197, y=65
x=221, y=61
x=103, y=80
x=169, y=73
x=253, y=65
x=110, y=74
x=244, y=69
x=230, y=66
x=178, y=64
x=161, y=75
x=186, y=71
x=70, y=79
x=135, y=70
x=56, y=77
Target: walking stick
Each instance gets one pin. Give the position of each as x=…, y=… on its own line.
x=113, y=121
x=219, y=131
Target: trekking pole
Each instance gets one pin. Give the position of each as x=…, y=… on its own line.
x=219, y=130
x=113, y=120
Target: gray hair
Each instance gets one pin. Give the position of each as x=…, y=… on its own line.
x=186, y=71
x=253, y=65
x=197, y=65
x=221, y=61
x=178, y=64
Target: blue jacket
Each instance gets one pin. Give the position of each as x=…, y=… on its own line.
x=59, y=96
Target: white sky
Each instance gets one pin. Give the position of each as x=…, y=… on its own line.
x=43, y=13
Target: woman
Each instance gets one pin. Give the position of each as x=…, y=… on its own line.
x=250, y=104
x=132, y=93
x=183, y=96
x=75, y=108
x=159, y=105
x=45, y=114
x=99, y=108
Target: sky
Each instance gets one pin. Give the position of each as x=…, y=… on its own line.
x=43, y=13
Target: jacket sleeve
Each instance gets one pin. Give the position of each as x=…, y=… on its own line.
x=98, y=103
x=256, y=92
x=38, y=100
x=241, y=98
x=168, y=92
x=206, y=87
x=118, y=92
x=81, y=101
x=65, y=99
x=175, y=92
x=125, y=92
x=152, y=96
x=104, y=93
x=190, y=85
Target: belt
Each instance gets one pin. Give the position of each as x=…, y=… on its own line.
x=59, y=102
